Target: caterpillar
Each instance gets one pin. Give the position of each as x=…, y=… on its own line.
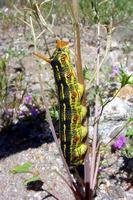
x=72, y=113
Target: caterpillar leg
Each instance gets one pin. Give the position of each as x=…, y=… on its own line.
x=78, y=136
x=78, y=154
x=78, y=114
x=82, y=112
x=80, y=90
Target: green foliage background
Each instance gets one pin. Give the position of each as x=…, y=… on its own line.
x=117, y=10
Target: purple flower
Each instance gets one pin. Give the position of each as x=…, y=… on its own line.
x=34, y=112
x=28, y=99
x=120, y=142
x=115, y=71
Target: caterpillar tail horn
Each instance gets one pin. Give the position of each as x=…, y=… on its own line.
x=42, y=57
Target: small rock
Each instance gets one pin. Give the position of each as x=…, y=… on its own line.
x=117, y=110
x=126, y=92
x=116, y=192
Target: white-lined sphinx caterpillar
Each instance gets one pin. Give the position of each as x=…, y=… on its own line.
x=72, y=113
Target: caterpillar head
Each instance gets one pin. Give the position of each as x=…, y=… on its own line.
x=62, y=50
x=61, y=44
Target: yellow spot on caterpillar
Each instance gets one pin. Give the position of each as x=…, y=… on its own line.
x=62, y=91
x=57, y=73
x=64, y=133
x=64, y=111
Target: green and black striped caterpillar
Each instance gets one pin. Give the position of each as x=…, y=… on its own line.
x=72, y=133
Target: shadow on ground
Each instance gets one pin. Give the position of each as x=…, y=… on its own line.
x=27, y=133
x=125, y=173
x=128, y=168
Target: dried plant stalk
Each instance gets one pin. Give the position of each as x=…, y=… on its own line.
x=75, y=11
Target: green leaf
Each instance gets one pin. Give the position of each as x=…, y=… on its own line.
x=129, y=133
x=54, y=113
x=2, y=65
x=130, y=120
x=87, y=74
x=124, y=78
x=130, y=81
x=32, y=179
x=128, y=151
x=25, y=168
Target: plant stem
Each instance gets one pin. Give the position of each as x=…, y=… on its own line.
x=96, y=171
x=77, y=42
x=95, y=134
x=78, y=61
